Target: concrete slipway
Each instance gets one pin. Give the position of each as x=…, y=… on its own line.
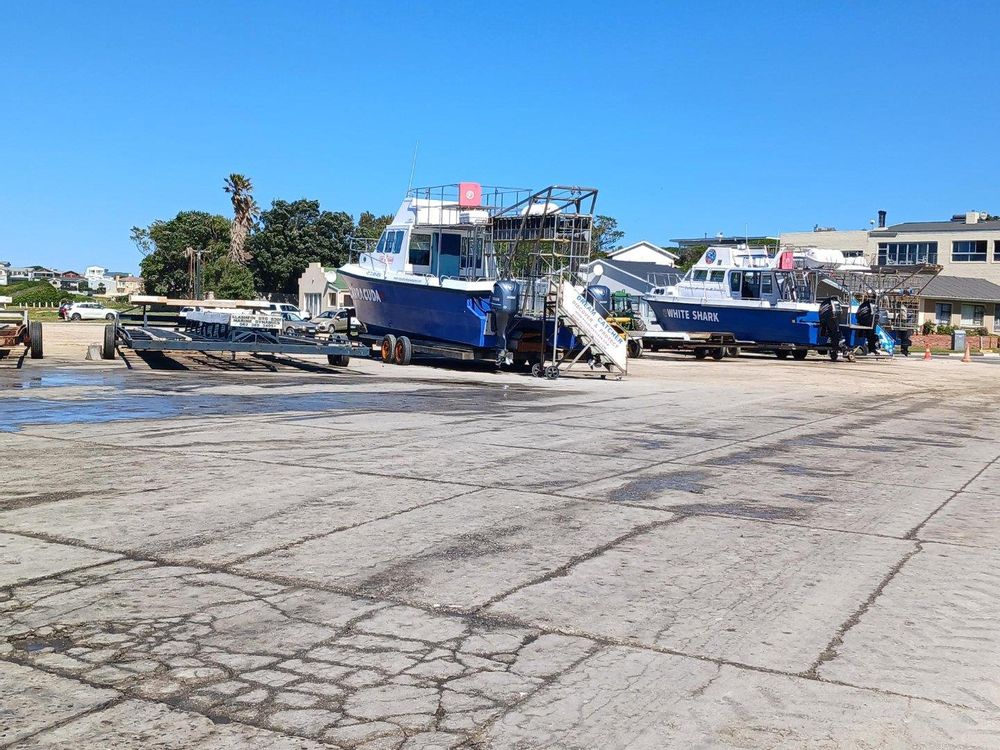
x=739, y=555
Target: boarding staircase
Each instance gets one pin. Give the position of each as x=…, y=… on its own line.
x=600, y=347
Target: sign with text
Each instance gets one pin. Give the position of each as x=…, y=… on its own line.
x=605, y=338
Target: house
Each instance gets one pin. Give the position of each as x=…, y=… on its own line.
x=967, y=248
x=127, y=285
x=631, y=277
x=644, y=252
x=322, y=289
x=4, y=265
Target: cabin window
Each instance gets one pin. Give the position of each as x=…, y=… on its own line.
x=765, y=284
x=420, y=249
x=700, y=274
x=717, y=276
x=734, y=281
x=380, y=248
x=751, y=285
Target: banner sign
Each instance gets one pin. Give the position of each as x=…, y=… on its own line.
x=605, y=338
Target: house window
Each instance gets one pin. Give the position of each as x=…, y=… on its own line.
x=996, y=319
x=972, y=315
x=906, y=253
x=968, y=251
x=942, y=313
x=996, y=251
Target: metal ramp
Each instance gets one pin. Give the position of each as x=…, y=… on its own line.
x=600, y=348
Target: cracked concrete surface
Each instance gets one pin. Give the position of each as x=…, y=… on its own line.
x=407, y=559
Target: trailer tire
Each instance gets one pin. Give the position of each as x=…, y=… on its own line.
x=634, y=348
x=402, y=353
x=781, y=353
x=834, y=355
x=719, y=353
x=338, y=360
x=35, y=339
x=388, y=348
x=108, y=345
x=551, y=372
x=700, y=352
x=799, y=354
x=536, y=370
x=109, y=316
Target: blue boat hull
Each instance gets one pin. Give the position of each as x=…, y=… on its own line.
x=450, y=316
x=763, y=325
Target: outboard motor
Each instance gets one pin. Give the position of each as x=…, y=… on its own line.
x=829, y=324
x=504, y=306
x=600, y=297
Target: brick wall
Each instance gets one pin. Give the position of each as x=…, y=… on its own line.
x=943, y=341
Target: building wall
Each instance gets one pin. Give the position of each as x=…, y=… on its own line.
x=989, y=270
x=843, y=240
x=991, y=320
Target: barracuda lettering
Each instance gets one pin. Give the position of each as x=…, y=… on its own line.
x=368, y=295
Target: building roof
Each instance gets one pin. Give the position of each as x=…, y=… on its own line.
x=644, y=243
x=959, y=288
x=937, y=226
x=723, y=240
x=639, y=276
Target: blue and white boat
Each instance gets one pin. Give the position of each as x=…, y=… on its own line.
x=433, y=274
x=743, y=295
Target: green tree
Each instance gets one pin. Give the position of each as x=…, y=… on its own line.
x=228, y=280
x=371, y=226
x=245, y=213
x=165, y=267
x=605, y=236
x=293, y=235
x=83, y=286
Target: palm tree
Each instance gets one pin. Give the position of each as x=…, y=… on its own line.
x=245, y=213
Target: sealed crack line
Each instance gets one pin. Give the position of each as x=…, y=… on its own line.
x=912, y=533
x=564, y=569
x=832, y=648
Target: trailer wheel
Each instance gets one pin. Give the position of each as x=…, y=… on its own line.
x=781, y=353
x=402, y=353
x=108, y=347
x=388, y=348
x=800, y=354
x=338, y=360
x=834, y=355
x=35, y=339
x=551, y=372
x=719, y=353
x=700, y=353
x=733, y=351
x=536, y=370
x=109, y=316
x=634, y=348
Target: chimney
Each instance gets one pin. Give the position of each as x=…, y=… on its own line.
x=881, y=219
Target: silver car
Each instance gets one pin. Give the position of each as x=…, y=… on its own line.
x=296, y=325
x=335, y=321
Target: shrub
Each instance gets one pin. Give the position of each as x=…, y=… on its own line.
x=946, y=330
x=928, y=327
x=976, y=332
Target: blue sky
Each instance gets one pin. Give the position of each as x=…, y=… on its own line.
x=691, y=118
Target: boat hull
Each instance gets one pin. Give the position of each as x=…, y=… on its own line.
x=453, y=316
x=762, y=325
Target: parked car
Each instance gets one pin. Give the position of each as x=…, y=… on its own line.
x=185, y=310
x=292, y=324
x=331, y=321
x=284, y=307
x=90, y=311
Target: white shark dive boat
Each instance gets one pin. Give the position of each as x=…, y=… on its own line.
x=742, y=294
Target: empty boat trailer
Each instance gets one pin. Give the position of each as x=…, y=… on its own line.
x=219, y=326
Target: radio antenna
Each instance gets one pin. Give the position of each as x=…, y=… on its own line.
x=413, y=166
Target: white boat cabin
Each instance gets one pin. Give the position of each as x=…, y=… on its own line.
x=435, y=239
x=739, y=273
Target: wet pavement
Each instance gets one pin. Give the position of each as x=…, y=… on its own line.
x=738, y=554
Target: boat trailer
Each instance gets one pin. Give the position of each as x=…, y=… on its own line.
x=225, y=326
x=17, y=329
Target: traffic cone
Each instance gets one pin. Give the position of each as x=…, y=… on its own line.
x=967, y=357
x=927, y=352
